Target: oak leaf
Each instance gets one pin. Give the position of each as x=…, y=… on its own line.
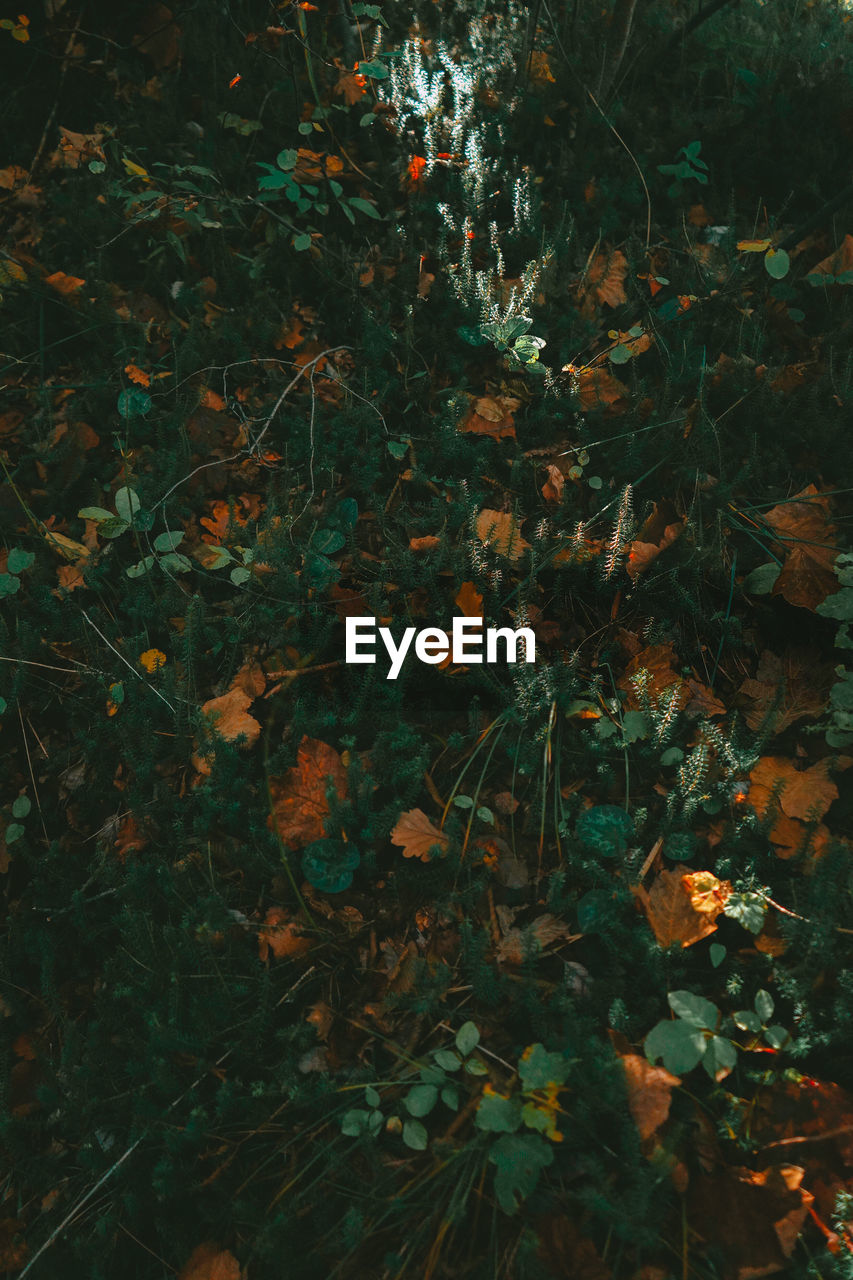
x=300, y=807
x=682, y=906
x=500, y=530
x=417, y=836
x=649, y=1092
x=209, y=1262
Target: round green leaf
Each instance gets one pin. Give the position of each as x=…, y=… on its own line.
x=127, y=503
x=21, y=807
x=415, y=1135
x=777, y=263
x=421, y=1099
x=467, y=1038
x=329, y=864
x=605, y=829
x=133, y=402
x=19, y=560
x=680, y=846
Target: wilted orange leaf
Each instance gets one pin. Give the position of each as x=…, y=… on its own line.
x=231, y=718
x=64, y=284
x=209, y=1262
x=280, y=936
x=417, y=836
x=649, y=1092
x=152, y=659
x=428, y=542
x=351, y=85
x=300, y=807
x=469, y=600
x=681, y=906
x=137, y=375
x=500, y=530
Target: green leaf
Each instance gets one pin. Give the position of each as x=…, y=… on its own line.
x=358, y=1121
x=496, y=1114
x=223, y=556
x=94, y=513
x=113, y=528
x=240, y=575
x=472, y=335
x=680, y=1045
x=19, y=560
x=450, y=1097
x=371, y=1097
x=838, y=606
x=433, y=1075
x=447, y=1059
x=463, y=802
x=302, y=242
x=720, y=1058
x=365, y=206
x=593, y=910
x=14, y=831
x=467, y=1038
x=373, y=70
x=717, y=952
x=134, y=402
x=9, y=584
x=21, y=807
x=764, y=1005
x=519, y=1160
x=747, y=1021
x=287, y=158
x=620, y=354
x=3, y=705
x=127, y=503
x=140, y=568
x=777, y=263
x=760, y=581
x=168, y=541
x=696, y=1010
x=175, y=562
x=680, y=846
x=777, y=1036
x=367, y=119
x=415, y=1135
x=329, y=864
x=635, y=725
x=673, y=755
x=605, y=829
x=327, y=542
x=749, y=909
x=474, y=1067
x=421, y=1099
x=537, y=1068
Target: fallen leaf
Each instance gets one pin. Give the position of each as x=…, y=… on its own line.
x=427, y=543
x=159, y=37
x=805, y=530
x=754, y=1217
x=209, y=1262
x=539, y=69
x=544, y=930
x=300, y=807
x=64, y=284
x=70, y=576
x=251, y=679
x=552, y=489
x=137, y=375
x=280, y=936
x=661, y=529
x=800, y=677
x=417, y=836
x=605, y=277
x=649, y=1092
x=803, y=792
x=67, y=547
x=78, y=148
x=469, y=601
x=231, y=719
x=491, y=416
x=682, y=906
x=350, y=84
x=152, y=659
x=838, y=262
x=500, y=530
x=130, y=838
x=599, y=389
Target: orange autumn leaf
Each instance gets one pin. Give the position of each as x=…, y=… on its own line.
x=251, y=679
x=500, y=530
x=806, y=532
x=70, y=576
x=545, y=929
x=130, y=838
x=351, y=85
x=64, y=284
x=605, y=278
x=469, y=600
x=231, y=719
x=699, y=216
x=649, y=1092
x=599, y=389
x=209, y=1262
x=415, y=169
x=428, y=542
x=682, y=907
x=539, y=68
x=838, y=262
x=137, y=375
x=417, y=836
x=280, y=936
x=220, y=518
x=492, y=416
x=152, y=660
x=802, y=792
x=211, y=400
x=299, y=802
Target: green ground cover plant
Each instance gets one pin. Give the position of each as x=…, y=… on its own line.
x=539, y=313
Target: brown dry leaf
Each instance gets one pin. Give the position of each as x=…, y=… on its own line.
x=251, y=679
x=64, y=284
x=130, y=839
x=491, y=416
x=500, y=530
x=804, y=526
x=67, y=547
x=754, y=1217
x=14, y=1250
x=417, y=836
x=838, y=262
x=801, y=677
x=661, y=529
x=671, y=910
x=78, y=148
x=280, y=936
x=552, y=489
x=209, y=1262
x=539, y=69
x=598, y=389
x=427, y=543
x=69, y=577
x=159, y=37
x=545, y=929
x=10, y=176
x=802, y=790
x=218, y=521
x=699, y=216
x=605, y=278
x=469, y=600
x=299, y=799
x=649, y=1092
x=231, y=716
x=350, y=84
